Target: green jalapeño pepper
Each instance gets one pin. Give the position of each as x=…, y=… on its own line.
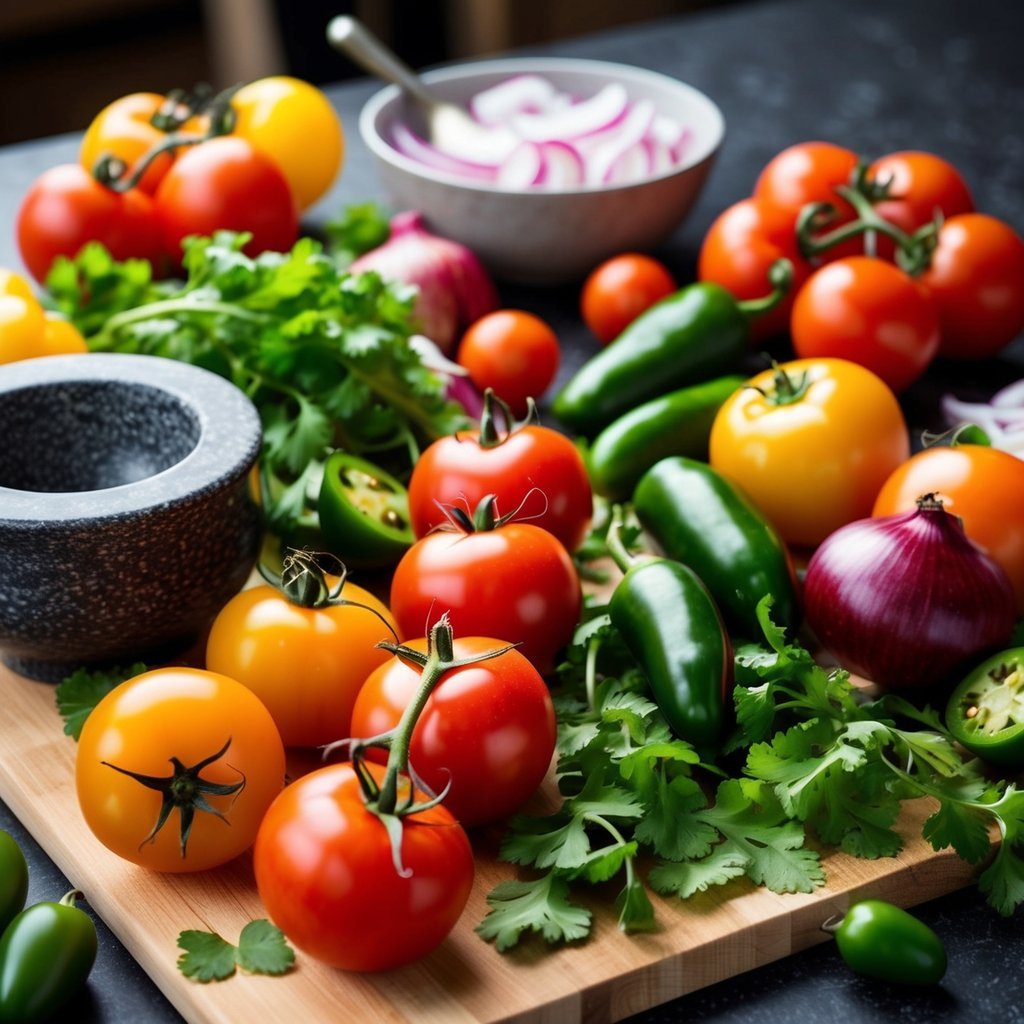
x=678, y=423
x=702, y=519
x=13, y=879
x=986, y=711
x=364, y=513
x=46, y=954
x=882, y=941
x=671, y=625
x=692, y=335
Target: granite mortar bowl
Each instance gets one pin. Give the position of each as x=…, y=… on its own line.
x=536, y=236
x=125, y=518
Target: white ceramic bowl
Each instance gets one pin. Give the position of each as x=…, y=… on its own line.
x=535, y=236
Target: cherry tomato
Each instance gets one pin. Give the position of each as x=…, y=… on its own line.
x=921, y=186
x=294, y=124
x=166, y=724
x=515, y=582
x=325, y=874
x=981, y=485
x=806, y=173
x=227, y=183
x=870, y=312
x=811, y=448
x=65, y=207
x=305, y=664
x=534, y=469
x=125, y=129
x=513, y=352
x=488, y=729
x=737, y=251
x=976, y=279
x=619, y=290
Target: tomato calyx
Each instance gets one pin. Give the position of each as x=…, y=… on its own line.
x=786, y=389
x=490, y=435
x=394, y=798
x=781, y=275
x=484, y=517
x=185, y=790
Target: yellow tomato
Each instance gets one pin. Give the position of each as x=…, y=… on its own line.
x=294, y=124
x=811, y=443
x=61, y=337
x=22, y=326
x=14, y=284
x=305, y=664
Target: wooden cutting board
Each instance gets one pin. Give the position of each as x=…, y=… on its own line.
x=712, y=936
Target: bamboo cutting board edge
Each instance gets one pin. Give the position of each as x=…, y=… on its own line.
x=713, y=936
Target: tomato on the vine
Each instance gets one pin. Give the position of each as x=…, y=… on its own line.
x=513, y=581
x=619, y=290
x=920, y=185
x=226, y=183
x=807, y=172
x=870, y=312
x=487, y=731
x=294, y=124
x=306, y=664
x=981, y=485
x=740, y=247
x=532, y=468
x=811, y=441
x=66, y=207
x=210, y=743
x=325, y=873
x=513, y=352
x=976, y=279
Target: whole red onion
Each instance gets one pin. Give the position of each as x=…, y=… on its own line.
x=905, y=600
x=454, y=287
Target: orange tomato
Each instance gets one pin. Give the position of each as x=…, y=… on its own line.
x=619, y=290
x=981, y=485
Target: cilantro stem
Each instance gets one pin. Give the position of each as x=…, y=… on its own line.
x=620, y=840
x=152, y=310
x=590, y=675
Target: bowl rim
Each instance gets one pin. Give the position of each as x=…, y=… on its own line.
x=230, y=435
x=375, y=142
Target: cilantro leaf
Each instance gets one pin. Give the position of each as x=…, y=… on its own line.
x=359, y=228
x=722, y=864
x=541, y=905
x=81, y=691
x=207, y=956
x=262, y=949
x=636, y=913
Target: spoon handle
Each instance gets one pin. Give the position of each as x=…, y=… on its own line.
x=356, y=41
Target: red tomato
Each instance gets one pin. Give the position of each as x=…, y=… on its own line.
x=66, y=207
x=513, y=352
x=981, y=485
x=976, y=279
x=227, y=183
x=742, y=243
x=325, y=874
x=516, y=582
x=619, y=290
x=534, y=469
x=806, y=173
x=869, y=312
x=488, y=729
x=922, y=185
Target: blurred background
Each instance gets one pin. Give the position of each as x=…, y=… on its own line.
x=63, y=60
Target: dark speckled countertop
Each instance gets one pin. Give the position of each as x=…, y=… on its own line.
x=876, y=76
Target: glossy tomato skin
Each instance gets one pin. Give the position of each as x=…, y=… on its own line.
x=807, y=172
x=534, y=469
x=488, y=729
x=325, y=874
x=870, y=312
x=816, y=463
x=921, y=186
x=741, y=245
x=515, y=582
x=65, y=207
x=513, y=352
x=619, y=290
x=976, y=280
x=189, y=714
x=981, y=485
x=305, y=664
x=226, y=183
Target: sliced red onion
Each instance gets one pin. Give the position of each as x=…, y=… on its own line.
x=614, y=147
x=1010, y=397
x=408, y=143
x=1002, y=418
x=521, y=94
x=601, y=111
x=522, y=168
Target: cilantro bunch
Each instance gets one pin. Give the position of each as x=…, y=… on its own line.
x=323, y=354
x=813, y=757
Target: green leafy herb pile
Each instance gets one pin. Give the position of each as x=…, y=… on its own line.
x=820, y=760
x=324, y=354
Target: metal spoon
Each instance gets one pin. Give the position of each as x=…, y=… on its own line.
x=448, y=126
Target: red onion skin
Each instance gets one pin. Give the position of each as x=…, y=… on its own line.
x=906, y=600
x=454, y=288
